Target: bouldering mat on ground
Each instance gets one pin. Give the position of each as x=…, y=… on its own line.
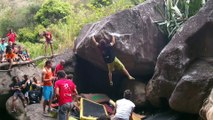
x=99, y=98
x=91, y=110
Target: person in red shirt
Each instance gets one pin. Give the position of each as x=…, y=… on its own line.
x=48, y=38
x=59, y=67
x=65, y=89
x=11, y=36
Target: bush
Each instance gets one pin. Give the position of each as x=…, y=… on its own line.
x=30, y=34
x=26, y=34
x=52, y=12
x=176, y=13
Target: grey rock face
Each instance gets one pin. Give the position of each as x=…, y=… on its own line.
x=138, y=39
x=20, y=110
x=192, y=42
x=138, y=43
x=138, y=90
x=193, y=88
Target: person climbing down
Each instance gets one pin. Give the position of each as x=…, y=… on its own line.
x=15, y=87
x=109, y=57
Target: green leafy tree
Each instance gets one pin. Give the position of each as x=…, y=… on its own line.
x=52, y=12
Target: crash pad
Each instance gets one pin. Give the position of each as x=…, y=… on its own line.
x=96, y=97
x=91, y=110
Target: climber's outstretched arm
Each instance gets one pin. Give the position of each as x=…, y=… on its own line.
x=113, y=40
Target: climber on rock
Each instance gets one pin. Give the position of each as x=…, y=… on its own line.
x=109, y=57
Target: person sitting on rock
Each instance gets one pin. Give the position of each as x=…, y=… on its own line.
x=10, y=56
x=20, y=53
x=3, y=46
x=124, y=107
x=34, y=95
x=109, y=57
x=16, y=88
x=38, y=85
x=26, y=84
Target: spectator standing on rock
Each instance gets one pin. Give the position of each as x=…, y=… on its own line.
x=48, y=41
x=11, y=36
x=65, y=89
x=124, y=107
x=16, y=88
x=59, y=67
x=109, y=57
x=47, y=78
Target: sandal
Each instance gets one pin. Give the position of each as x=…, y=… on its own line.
x=111, y=83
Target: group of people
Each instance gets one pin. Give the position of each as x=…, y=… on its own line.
x=29, y=91
x=57, y=85
x=54, y=85
x=10, y=51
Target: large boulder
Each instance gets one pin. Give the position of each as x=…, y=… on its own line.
x=138, y=39
x=69, y=58
x=206, y=110
x=138, y=90
x=192, y=42
x=20, y=110
x=192, y=88
x=138, y=43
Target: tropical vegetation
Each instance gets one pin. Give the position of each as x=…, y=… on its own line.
x=65, y=18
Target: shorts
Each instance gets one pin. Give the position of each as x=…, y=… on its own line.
x=18, y=94
x=26, y=94
x=47, y=92
x=64, y=109
x=49, y=41
x=1, y=52
x=116, y=64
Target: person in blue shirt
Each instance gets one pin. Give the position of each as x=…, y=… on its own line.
x=3, y=46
